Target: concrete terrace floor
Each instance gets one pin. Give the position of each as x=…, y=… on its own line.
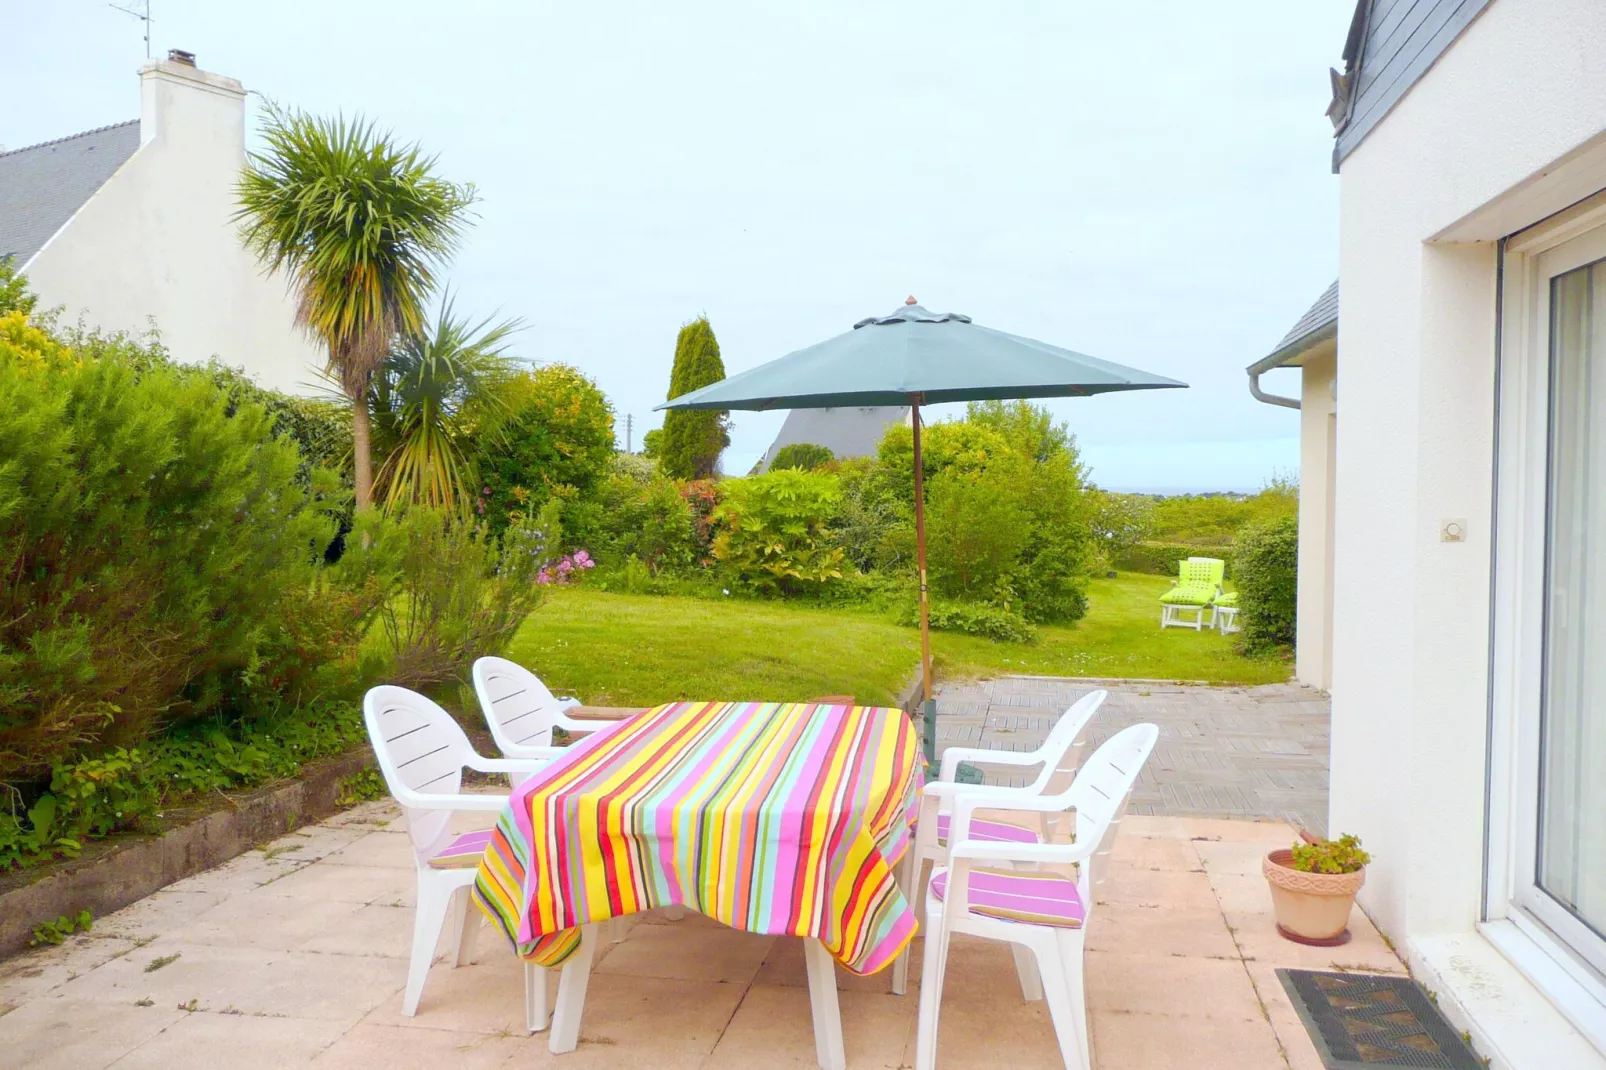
x=295, y=954
x=1243, y=752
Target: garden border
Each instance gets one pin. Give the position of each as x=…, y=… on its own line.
x=112, y=874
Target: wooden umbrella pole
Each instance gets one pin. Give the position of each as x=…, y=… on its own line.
x=920, y=557
x=928, y=708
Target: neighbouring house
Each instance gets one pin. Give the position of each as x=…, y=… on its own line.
x=1311, y=345
x=129, y=226
x=846, y=432
x=1468, y=507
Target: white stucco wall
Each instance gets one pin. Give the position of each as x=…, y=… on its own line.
x=1523, y=86
x=1312, y=658
x=155, y=242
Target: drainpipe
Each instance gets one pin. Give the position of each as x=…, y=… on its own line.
x=1260, y=395
x=1281, y=358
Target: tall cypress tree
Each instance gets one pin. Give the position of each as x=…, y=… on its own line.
x=693, y=440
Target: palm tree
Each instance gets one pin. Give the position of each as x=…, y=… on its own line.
x=439, y=392
x=359, y=223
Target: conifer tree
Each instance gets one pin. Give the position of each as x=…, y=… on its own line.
x=693, y=440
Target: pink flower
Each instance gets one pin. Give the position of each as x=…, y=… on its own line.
x=582, y=559
x=543, y=577
x=565, y=566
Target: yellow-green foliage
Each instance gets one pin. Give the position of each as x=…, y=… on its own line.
x=149, y=530
x=773, y=533
x=1343, y=855
x=557, y=440
x=1215, y=519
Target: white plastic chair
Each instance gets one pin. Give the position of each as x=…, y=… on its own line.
x=1059, y=756
x=522, y=711
x=1041, y=910
x=422, y=753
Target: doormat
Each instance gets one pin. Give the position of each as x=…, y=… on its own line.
x=1363, y=1020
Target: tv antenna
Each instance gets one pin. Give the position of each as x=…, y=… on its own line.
x=142, y=12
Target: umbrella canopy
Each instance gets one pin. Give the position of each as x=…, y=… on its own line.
x=918, y=356
x=915, y=357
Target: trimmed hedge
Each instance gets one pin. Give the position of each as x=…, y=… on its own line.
x=1266, y=567
x=1161, y=558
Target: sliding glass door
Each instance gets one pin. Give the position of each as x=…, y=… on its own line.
x=1568, y=889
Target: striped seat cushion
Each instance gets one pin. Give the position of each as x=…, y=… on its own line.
x=1012, y=895
x=462, y=852
x=988, y=831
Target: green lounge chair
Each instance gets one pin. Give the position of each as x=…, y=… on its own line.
x=1226, y=613
x=1197, y=588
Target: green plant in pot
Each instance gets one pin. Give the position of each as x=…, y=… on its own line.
x=1313, y=886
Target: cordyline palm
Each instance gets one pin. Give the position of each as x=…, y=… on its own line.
x=439, y=391
x=359, y=224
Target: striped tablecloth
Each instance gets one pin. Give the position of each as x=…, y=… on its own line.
x=781, y=818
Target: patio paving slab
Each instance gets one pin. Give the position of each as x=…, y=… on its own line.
x=1180, y=972
x=1225, y=752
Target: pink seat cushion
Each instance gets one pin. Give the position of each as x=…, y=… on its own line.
x=462, y=852
x=1012, y=895
x=988, y=831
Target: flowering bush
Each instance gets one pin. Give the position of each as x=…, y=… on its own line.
x=568, y=569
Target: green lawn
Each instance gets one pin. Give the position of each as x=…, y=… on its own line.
x=630, y=649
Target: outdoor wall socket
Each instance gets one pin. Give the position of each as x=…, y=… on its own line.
x=1453, y=531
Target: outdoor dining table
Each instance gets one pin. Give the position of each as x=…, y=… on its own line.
x=775, y=818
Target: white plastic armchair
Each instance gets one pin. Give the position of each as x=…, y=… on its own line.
x=522, y=711
x=422, y=753
x=983, y=892
x=1059, y=756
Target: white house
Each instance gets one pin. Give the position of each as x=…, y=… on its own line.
x=1311, y=345
x=1468, y=508
x=129, y=225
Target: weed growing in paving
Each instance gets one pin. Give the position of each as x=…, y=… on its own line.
x=160, y=961
x=54, y=932
x=365, y=785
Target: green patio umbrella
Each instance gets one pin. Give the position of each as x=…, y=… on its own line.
x=914, y=357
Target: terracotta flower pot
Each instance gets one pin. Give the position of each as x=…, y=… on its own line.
x=1312, y=908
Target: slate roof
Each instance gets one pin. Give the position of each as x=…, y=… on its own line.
x=846, y=432
x=41, y=186
x=1319, y=321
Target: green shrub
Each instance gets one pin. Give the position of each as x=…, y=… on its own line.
x=875, y=529
x=1266, y=573
x=127, y=789
x=149, y=529
x=772, y=531
x=1161, y=558
x=971, y=618
x=462, y=593
x=643, y=514
x=14, y=293
x=804, y=455
x=1216, y=519
x=558, y=433
x=1119, y=522
x=692, y=441
x=976, y=529
x=1013, y=530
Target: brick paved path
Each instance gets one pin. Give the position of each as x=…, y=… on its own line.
x=1223, y=751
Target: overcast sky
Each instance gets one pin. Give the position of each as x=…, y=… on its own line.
x=1145, y=182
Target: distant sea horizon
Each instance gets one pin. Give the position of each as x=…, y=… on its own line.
x=1171, y=492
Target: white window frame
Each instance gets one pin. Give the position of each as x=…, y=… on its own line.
x=1562, y=956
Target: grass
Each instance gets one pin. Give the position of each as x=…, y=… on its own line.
x=616, y=649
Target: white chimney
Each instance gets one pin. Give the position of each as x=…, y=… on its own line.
x=179, y=101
